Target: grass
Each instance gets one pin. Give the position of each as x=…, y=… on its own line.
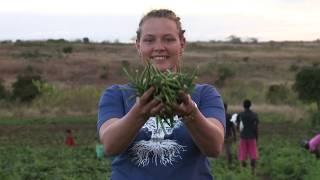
x=38, y=120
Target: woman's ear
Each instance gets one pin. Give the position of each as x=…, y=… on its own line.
x=137, y=45
x=183, y=43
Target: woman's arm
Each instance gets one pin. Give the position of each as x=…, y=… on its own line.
x=116, y=134
x=207, y=133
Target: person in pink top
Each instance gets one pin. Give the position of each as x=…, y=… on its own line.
x=313, y=145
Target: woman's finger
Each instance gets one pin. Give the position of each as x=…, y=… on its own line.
x=147, y=96
x=184, y=97
x=158, y=109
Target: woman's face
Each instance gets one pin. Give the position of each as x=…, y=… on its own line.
x=160, y=43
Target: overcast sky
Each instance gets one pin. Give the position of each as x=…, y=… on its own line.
x=101, y=20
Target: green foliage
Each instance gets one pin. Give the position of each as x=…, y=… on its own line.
x=166, y=88
x=206, y=69
x=278, y=94
x=24, y=88
x=57, y=41
x=234, y=39
x=307, y=85
x=224, y=72
x=67, y=49
x=286, y=161
x=3, y=91
x=237, y=91
x=37, y=152
x=66, y=100
x=52, y=163
x=313, y=171
x=34, y=54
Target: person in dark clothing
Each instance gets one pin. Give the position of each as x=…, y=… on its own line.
x=230, y=136
x=247, y=123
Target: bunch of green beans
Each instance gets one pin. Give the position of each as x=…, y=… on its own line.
x=167, y=85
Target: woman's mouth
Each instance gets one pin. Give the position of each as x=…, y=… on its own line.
x=159, y=58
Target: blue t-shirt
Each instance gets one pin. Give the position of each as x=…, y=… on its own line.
x=153, y=155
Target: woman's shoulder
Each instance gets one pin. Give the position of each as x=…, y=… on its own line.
x=205, y=88
x=118, y=90
x=119, y=87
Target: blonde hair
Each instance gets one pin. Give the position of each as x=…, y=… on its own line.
x=161, y=13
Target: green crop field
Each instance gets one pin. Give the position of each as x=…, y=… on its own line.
x=35, y=149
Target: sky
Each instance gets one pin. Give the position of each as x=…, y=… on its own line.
x=203, y=20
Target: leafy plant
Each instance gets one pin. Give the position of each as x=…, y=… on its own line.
x=67, y=49
x=167, y=85
x=307, y=85
x=24, y=88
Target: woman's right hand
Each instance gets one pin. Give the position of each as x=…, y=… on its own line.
x=147, y=106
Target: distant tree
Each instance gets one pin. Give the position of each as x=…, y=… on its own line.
x=86, y=40
x=57, y=40
x=234, y=39
x=307, y=85
x=252, y=40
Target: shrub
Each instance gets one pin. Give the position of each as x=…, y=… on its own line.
x=224, y=73
x=67, y=49
x=307, y=85
x=24, y=88
x=278, y=94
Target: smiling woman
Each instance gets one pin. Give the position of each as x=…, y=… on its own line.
x=128, y=127
x=160, y=38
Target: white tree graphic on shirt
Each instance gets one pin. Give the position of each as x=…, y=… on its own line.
x=157, y=149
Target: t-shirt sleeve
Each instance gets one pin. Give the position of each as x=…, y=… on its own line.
x=110, y=105
x=211, y=104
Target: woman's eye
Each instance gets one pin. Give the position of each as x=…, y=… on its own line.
x=147, y=40
x=170, y=39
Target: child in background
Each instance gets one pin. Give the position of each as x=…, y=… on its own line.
x=69, y=139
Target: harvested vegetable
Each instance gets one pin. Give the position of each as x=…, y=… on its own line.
x=167, y=85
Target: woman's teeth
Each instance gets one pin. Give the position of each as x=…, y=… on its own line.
x=159, y=58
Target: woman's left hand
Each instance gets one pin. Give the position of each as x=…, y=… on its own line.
x=187, y=107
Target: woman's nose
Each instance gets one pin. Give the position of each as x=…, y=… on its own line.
x=159, y=45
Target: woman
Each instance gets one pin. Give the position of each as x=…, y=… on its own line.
x=127, y=126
